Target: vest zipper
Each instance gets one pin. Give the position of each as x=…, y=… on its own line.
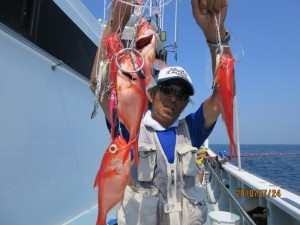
x=172, y=177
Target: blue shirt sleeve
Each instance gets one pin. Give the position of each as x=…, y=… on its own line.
x=195, y=123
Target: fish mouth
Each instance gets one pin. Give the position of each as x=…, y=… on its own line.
x=128, y=75
x=144, y=41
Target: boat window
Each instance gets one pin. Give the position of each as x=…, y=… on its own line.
x=46, y=25
x=19, y=14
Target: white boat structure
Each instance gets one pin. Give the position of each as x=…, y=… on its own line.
x=50, y=149
x=254, y=199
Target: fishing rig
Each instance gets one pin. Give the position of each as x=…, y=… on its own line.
x=154, y=12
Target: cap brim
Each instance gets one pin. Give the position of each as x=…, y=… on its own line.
x=187, y=85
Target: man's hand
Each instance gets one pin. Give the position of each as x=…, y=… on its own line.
x=204, y=12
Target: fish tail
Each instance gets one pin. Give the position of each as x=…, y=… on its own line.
x=96, y=181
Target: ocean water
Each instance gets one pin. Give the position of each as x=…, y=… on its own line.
x=283, y=170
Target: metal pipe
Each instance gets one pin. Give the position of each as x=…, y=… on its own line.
x=237, y=134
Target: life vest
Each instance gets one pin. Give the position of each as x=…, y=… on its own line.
x=160, y=192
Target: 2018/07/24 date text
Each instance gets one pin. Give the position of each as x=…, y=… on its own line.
x=259, y=193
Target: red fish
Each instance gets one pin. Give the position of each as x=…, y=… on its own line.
x=146, y=43
x=112, y=177
x=129, y=88
x=132, y=100
x=224, y=79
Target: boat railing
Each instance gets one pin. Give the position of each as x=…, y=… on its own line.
x=220, y=196
x=263, y=201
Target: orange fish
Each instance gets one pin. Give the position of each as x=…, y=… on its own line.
x=132, y=100
x=112, y=177
x=224, y=79
x=146, y=43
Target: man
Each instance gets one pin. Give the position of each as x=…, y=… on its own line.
x=165, y=188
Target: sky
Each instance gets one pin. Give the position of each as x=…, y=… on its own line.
x=267, y=76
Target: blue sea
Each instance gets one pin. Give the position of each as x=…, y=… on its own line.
x=283, y=170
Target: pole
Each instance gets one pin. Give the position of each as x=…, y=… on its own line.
x=237, y=134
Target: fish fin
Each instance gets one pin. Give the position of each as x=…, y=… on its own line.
x=96, y=182
x=108, y=173
x=102, y=176
x=120, y=170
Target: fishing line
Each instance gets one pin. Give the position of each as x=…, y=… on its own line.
x=221, y=51
x=102, y=64
x=234, y=41
x=220, y=46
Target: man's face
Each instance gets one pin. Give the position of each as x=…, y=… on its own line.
x=167, y=105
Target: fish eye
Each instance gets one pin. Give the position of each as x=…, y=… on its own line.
x=113, y=148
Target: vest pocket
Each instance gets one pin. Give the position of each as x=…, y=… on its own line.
x=147, y=162
x=194, y=205
x=187, y=155
x=139, y=207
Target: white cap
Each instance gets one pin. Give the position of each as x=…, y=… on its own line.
x=175, y=72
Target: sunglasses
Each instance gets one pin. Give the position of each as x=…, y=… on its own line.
x=174, y=90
